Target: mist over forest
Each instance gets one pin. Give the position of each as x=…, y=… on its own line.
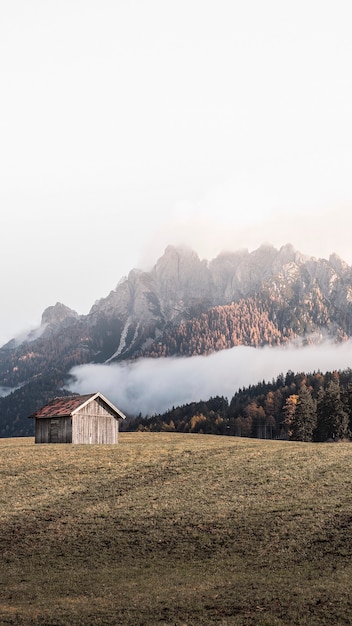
x=150, y=386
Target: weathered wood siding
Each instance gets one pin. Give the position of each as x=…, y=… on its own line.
x=53, y=430
x=95, y=423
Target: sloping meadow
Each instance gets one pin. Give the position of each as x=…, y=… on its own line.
x=175, y=529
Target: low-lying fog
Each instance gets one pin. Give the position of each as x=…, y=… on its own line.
x=151, y=386
x=5, y=391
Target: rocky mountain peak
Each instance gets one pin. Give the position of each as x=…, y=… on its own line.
x=175, y=258
x=288, y=254
x=180, y=275
x=56, y=314
x=339, y=265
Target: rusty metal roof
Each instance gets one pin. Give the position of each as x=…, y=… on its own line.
x=67, y=405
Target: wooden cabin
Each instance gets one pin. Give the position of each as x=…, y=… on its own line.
x=78, y=419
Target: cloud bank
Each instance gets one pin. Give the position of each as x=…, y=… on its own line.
x=150, y=386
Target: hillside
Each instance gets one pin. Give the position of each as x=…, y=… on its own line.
x=300, y=407
x=175, y=529
x=183, y=306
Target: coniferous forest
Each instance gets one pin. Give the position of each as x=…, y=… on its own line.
x=296, y=406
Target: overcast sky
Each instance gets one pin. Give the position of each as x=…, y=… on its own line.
x=129, y=125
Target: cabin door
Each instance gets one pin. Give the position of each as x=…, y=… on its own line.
x=54, y=431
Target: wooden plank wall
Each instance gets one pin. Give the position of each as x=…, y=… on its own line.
x=95, y=423
x=53, y=430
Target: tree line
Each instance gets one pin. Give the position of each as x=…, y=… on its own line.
x=297, y=406
x=248, y=322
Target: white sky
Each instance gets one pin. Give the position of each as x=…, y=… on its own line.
x=126, y=125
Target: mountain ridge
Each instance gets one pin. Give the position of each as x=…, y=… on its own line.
x=183, y=306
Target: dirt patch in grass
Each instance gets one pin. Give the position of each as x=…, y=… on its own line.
x=175, y=529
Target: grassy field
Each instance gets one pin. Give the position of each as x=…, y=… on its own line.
x=169, y=529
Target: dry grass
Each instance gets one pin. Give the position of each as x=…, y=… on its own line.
x=168, y=529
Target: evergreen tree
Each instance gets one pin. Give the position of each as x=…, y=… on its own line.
x=332, y=418
x=288, y=411
x=304, y=419
x=346, y=397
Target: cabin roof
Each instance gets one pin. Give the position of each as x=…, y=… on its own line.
x=68, y=405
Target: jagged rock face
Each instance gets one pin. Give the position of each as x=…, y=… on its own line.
x=58, y=313
x=130, y=315
x=304, y=292
x=182, y=286
x=241, y=274
x=178, y=281
x=182, y=280
x=144, y=301
x=340, y=266
x=227, y=270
